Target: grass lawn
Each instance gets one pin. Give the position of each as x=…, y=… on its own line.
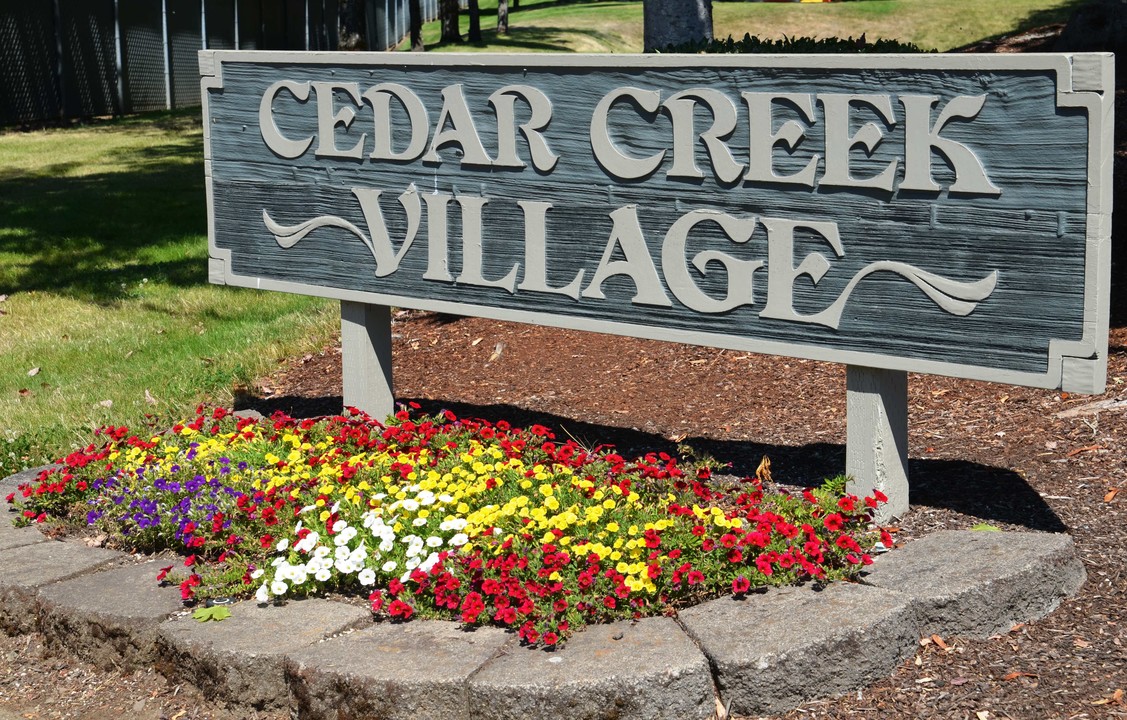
x=108, y=315
x=616, y=27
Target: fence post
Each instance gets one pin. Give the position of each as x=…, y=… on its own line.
x=167, y=54
x=59, y=84
x=365, y=337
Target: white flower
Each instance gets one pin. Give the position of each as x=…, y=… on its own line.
x=387, y=545
x=283, y=544
x=409, y=505
x=278, y=588
x=419, y=522
x=321, y=551
x=445, y=498
x=307, y=543
x=323, y=574
x=359, y=554
x=412, y=563
x=345, y=536
x=257, y=574
x=426, y=497
x=263, y=594
x=389, y=566
x=459, y=540
x=345, y=565
x=298, y=576
x=339, y=526
x=453, y=524
x=430, y=562
x=367, y=577
x=434, y=541
x=277, y=561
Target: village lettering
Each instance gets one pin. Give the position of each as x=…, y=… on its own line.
x=851, y=124
x=627, y=239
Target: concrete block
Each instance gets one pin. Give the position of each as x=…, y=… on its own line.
x=410, y=671
x=774, y=650
x=25, y=569
x=109, y=618
x=978, y=584
x=648, y=670
x=11, y=536
x=240, y=660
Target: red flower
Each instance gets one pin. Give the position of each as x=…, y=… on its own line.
x=560, y=605
x=847, y=503
x=266, y=541
x=707, y=545
x=610, y=602
x=398, y=608
x=763, y=564
x=190, y=561
x=735, y=556
x=741, y=585
x=186, y=591
x=696, y=577
x=833, y=522
x=550, y=638
x=163, y=573
x=376, y=599
x=698, y=530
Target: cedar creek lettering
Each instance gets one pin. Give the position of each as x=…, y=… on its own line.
x=851, y=122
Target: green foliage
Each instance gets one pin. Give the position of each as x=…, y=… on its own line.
x=751, y=44
x=216, y=612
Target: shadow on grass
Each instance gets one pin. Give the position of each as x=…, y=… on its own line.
x=1047, y=16
x=94, y=237
x=990, y=493
x=542, y=38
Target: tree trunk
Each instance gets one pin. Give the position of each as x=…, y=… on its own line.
x=415, y=9
x=675, y=22
x=450, y=30
x=475, y=21
x=516, y=5
x=503, y=16
x=352, y=25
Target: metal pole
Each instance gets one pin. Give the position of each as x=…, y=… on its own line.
x=306, y=24
x=59, y=85
x=167, y=54
x=236, y=24
x=203, y=24
x=118, y=64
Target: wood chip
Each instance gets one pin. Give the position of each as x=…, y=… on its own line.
x=1086, y=448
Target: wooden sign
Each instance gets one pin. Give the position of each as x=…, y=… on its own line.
x=944, y=214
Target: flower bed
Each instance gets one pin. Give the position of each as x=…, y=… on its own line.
x=441, y=517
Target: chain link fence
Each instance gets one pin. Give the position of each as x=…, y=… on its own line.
x=63, y=59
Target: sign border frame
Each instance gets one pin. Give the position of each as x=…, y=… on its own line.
x=1083, y=80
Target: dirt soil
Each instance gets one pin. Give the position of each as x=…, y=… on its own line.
x=1016, y=458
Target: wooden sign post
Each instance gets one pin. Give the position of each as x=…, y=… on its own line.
x=914, y=213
